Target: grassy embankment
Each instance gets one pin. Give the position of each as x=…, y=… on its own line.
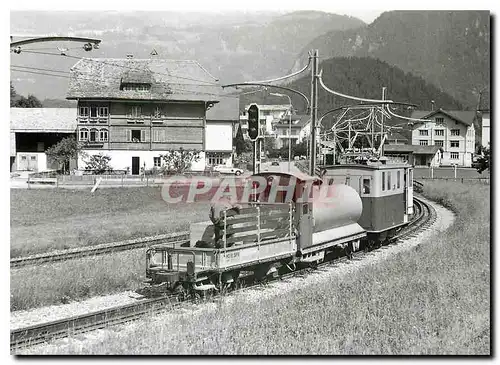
x=431, y=300
x=45, y=220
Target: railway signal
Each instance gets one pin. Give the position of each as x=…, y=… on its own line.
x=253, y=122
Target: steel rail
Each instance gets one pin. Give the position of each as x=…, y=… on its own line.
x=41, y=333
x=105, y=248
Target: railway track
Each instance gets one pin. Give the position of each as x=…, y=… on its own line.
x=424, y=217
x=105, y=248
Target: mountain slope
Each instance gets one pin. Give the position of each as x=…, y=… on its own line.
x=451, y=49
x=231, y=46
x=361, y=77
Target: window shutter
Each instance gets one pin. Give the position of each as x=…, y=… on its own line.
x=129, y=135
x=143, y=136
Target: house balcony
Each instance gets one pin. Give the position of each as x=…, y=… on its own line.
x=93, y=120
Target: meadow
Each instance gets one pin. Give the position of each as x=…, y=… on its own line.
x=430, y=300
x=44, y=220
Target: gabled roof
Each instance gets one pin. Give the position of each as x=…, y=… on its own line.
x=62, y=120
x=227, y=109
x=298, y=121
x=484, y=101
x=462, y=116
x=408, y=148
x=169, y=80
x=391, y=136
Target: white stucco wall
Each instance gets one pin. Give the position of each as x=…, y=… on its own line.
x=120, y=160
x=219, y=137
x=485, y=136
x=41, y=158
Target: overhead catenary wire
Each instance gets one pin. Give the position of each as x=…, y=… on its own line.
x=407, y=118
x=84, y=77
x=348, y=96
x=123, y=66
x=281, y=77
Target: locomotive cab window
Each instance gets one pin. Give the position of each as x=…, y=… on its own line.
x=383, y=181
x=389, y=173
x=366, y=186
x=399, y=179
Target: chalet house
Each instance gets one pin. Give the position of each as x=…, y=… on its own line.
x=484, y=108
x=33, y=131
x=269, y=114
x=134, y=110
x=300, y=129
x=452, y=131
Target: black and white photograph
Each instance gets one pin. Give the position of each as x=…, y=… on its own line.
x=271, y=179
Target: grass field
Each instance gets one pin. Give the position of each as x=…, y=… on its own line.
x=45, y=220
x=62, y=282
x=434, y=300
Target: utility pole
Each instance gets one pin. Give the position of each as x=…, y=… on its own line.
x=382, y=126
x=314, y=110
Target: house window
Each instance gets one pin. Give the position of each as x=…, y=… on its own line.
x=439, y=120
x=103, y=135
x=103, y=111
x=136, y=87
x=159, y=135
x=399, y=179
x=135, y=135
x=157, y=161
x=383, y=181
x=83, y=111
x=135, y=111
x=93, y=135
x=423, y=142
x=455, y=132
x=439, y=132
x=215, y=160
x=157, y=112
x=93, y=112
x=84, y=134
x=454, y=155
x=439, y=143
x=423, y=132
x=454, y=143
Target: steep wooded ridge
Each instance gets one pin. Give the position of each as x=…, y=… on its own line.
x=232, y=46
x=451, y=49
x=362, y=77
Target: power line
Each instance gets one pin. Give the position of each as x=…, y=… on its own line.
x=122, y=66
x=83, y=77
x=177, y=90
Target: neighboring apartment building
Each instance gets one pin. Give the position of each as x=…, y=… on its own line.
x=484, y=108
x=452, y=131
x=134, y=110
x=268, y=115
x=300, y=129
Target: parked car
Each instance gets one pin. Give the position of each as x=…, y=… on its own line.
x=228, y=170
x=275, y=163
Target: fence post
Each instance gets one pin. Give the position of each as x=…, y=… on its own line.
x=122, y=181
x=462, y=180
x=147, y=180
x=28, y=182
x=455, y=170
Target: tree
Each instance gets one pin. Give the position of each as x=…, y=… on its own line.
x=269, y=145
x=19, y=101
x=483, y=162
x=239, y=142
x=179, y=161
x=99, y=164
x=63, y=151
